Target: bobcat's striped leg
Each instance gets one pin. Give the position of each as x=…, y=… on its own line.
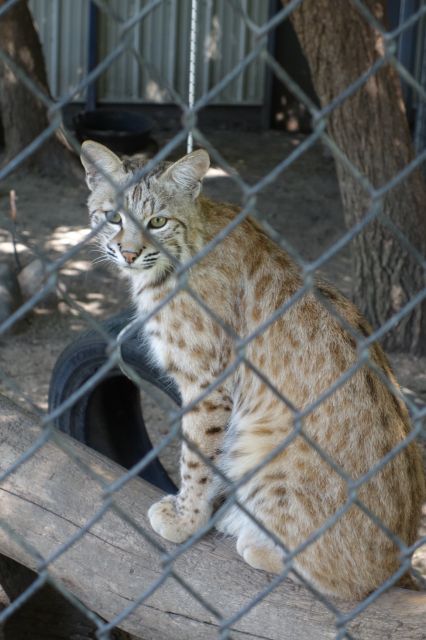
x=178, y=517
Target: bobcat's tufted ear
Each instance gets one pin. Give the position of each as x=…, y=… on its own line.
x=98, y=162
x=188, y=172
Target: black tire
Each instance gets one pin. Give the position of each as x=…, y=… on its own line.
x=109, y=417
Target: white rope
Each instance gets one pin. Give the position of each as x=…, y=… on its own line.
x=192, y=66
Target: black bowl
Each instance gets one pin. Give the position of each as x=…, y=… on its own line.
x=121, y=131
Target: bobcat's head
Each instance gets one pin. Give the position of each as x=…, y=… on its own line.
x=163, y=202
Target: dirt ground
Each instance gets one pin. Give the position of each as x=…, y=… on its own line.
x=302, y=203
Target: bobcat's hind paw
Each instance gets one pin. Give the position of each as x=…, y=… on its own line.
x=266, y=557
x=173, y=521
x=263, y=558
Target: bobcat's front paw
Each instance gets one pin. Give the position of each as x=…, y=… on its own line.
x=176, y=522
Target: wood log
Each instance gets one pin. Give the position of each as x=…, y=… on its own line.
x=50, y=496
x=47, y=615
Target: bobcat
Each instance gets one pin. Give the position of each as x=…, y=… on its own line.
x=244, y=279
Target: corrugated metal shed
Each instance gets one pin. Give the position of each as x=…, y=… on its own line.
x=158, y=52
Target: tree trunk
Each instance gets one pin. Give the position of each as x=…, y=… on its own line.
x=24, y=116
x=371, y=128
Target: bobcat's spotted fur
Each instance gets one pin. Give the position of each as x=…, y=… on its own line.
x=244, y=280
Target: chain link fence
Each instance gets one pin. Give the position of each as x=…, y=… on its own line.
x=114, y=345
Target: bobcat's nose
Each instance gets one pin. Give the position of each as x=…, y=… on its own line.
x=129, y=256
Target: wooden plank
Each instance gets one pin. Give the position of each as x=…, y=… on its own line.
x=49, y=497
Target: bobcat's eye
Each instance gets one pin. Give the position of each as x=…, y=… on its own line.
x=157, y=222
x=113, y=217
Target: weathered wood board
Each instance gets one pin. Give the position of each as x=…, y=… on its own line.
x=50, y=497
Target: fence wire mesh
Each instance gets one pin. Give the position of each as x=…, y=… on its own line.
x=114, y=345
